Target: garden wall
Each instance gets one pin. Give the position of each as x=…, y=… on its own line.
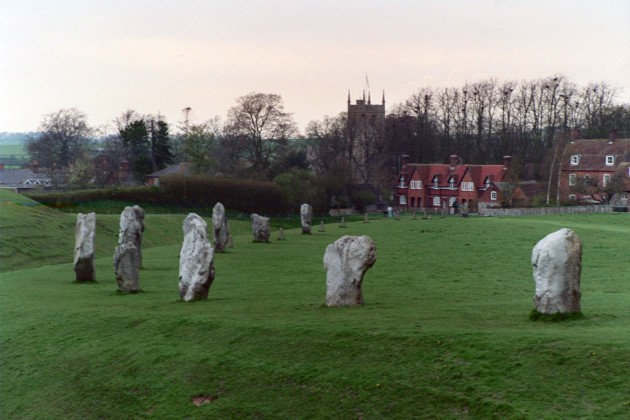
x=539, y=211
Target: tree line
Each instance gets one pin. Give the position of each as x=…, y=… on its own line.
x=480, y=122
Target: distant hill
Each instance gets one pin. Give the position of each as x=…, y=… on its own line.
x=15, y=138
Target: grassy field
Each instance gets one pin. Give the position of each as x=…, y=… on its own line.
x=444, y=332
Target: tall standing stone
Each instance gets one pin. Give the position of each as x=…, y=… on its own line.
x=131, y=229
x=126, y=268
x=220, y=228
x=306, y=216
x=260, y=228
x=196, y=260
x=84, y=247
x=557, y=266
x=346, y=260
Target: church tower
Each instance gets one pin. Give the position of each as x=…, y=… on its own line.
x=366, y=132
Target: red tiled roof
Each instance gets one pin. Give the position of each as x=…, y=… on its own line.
x=593, y=154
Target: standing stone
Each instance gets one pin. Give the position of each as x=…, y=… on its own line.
x=322, y=228
x=365, y=218
x=196, y=260
x=557, y=264
x=131, y=229
x=260, y=228
x=221, y=228
x=415, y=216
x=126, y=267
x=346, y=261
x=306, y=215
x=281, y=235
x=84, y=247
x=343, y=222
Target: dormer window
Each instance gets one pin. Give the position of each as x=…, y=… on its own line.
x=575, y=159
x=402, y=182
x=435, y=182
x=451, y=184
x=610, y=160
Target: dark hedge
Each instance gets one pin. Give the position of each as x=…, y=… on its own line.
x=190, y=192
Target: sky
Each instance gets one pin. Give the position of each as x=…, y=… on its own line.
x=160, y=56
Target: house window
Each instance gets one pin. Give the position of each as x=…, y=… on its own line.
x=587, y=179
x=624, y=196
x=606, y=180
x=419, y=185
x=402, y=182
x=435, y=182
x=436, y=201
x=451, y=184
x=403, y=200
x=452, y=201
x=575, y=159
x=610, y=160
x=415, y=185
x=572, y=179
x=467, y=186
x=493, y=195
x=571, y=197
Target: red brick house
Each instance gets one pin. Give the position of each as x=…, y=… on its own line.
x=434, y=185
x=595, y=171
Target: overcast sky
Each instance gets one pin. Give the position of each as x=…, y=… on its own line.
x=160, y=56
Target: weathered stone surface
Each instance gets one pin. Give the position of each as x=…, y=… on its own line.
x=220, y=228
x=346, y=260
x=306, y=215
x=260, y=228
x=322, y=227
x=196, y=260
x=131, y=229
x=557, y=265
x=84, y=247
x=126, y=267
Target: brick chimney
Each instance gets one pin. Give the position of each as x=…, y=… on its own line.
x=574, y=134
x=454, y=161
x=507, y=162
x=404, y=160
x=612, y=136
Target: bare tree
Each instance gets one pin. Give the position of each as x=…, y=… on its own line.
x=64, y=136
x=263, y=127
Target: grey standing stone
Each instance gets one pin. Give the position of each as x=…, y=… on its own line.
x=196, y=260
x=126, y=268
x=132, y=228
x=557, y=266
x=281, y=235
x=306, y=215
x=84, y=247
x=343, y=222
x=220, y=228
x=260, y=228
x=346, y=261
x=365, y=218
x=322, y=227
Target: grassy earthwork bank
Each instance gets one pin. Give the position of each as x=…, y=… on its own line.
x=444, y=332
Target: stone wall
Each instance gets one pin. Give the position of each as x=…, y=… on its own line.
x=539, y=211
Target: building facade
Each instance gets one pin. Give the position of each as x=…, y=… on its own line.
x=454, y=185
x=595, y=170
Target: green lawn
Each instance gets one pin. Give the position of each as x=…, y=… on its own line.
x=444, y=332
